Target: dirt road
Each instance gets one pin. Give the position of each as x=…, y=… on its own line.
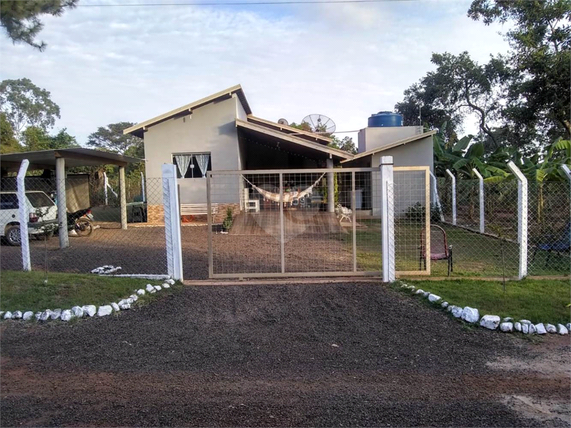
x=280, y=355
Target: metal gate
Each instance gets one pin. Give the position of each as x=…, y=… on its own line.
x=307, y=222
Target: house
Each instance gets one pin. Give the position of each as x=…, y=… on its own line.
x=220, y=133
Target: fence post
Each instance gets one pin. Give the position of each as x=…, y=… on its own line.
x=143, y=194
x=436, y=197
x=172, y=222
x=522, y=218
x=123, y=197
x=61, y=203
x=567, y=172
x=387, y=218
x=24, y=215
x=481, y=192
x=453, y=196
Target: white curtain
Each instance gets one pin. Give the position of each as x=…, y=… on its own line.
x=202, y=161
x=182, y=162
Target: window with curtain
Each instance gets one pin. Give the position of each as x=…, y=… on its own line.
x=192, y=165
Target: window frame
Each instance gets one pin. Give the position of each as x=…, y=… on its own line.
x=193, y=162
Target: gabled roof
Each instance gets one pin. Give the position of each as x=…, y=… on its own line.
x=283, y=136
x=391, y=145
x=306, y=135
x=140, y=128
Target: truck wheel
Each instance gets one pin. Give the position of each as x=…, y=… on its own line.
x=13, y=235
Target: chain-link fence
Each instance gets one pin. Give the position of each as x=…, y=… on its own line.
x=101, y=232
x=495, y=250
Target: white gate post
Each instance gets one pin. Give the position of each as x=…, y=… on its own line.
x=105, y=185
x=522, y=196
x=172, y=222
x=453, y=196
x=24, y=215
x=387, y=218
x=143, y=187
x=482, y=219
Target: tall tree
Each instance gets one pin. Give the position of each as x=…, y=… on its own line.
x=35, y=138
x=25, y=105
x=345, y=144
x=21, y=18
x=111, y=138
x=8, y=141
x=538, y=97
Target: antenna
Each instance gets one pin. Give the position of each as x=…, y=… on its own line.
x=283, y=121
x=320, y=124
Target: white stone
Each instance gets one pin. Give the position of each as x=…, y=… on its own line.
x=133, y=298
x=90, y=310
x=525, y=328
x=532, y=329
x=158, y=287
x=568, y=326
x=433, y=298
x=425, y=294
x=124, y=305
x=444, y=305
x=562, y=330
x=37, y=315
x=8, y=315
x=28, y=315
x=150, y=287
x=170, y=281
x=525, y=322
x=470, y=315
x=412, y=287
x=450, y=307
x=540, y=328
x=508, y=319
x=45, y=315
x=551, y=328
x=457, y=311
x=115, y=307
x=77, y=311
x=66, y=315
x=141, y=292
x=166, y=285
x=56, y=313
x=491, y=322
x=517, y=326
x=506, y=327
x=104, y=310
x=16, y=315
x=419, y=291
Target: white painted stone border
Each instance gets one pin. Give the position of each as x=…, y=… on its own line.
x=85, y=311
x=491, y=322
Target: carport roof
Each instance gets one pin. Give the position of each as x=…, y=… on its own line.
x=46, y=159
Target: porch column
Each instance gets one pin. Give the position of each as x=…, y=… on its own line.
x=61, y=203
x=330, y=188
x=123, y=197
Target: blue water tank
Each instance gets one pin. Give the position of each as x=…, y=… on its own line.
x=384, y=119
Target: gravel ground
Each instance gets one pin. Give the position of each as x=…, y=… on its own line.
x=270, y=355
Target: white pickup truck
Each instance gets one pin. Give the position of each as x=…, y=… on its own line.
x=42, y=215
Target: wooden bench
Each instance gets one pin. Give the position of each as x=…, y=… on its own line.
x=197, y=209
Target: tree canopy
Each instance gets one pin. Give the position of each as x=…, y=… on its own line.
x=21, y=19
x=26, y=105
x=521, y=99
x=111, y=138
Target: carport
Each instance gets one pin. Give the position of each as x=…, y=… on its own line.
x=61, y=159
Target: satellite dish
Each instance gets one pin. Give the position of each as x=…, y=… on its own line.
x=320, y=124
x=283, y=121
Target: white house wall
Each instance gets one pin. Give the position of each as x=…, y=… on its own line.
x=212, y=129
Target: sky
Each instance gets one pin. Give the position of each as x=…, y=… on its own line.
x=129, y=63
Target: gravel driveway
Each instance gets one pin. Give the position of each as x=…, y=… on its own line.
x=271, y=355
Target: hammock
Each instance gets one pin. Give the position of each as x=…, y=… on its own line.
x=287, y=196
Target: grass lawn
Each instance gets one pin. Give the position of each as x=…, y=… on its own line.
x=535, y=300
x=26, y=291
x=474, y=254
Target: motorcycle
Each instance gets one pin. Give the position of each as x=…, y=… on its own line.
x=79, y=223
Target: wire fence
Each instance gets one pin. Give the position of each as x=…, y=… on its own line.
x=97, y=234
x=495, y=250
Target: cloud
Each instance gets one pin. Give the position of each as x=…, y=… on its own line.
x=105, y=65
